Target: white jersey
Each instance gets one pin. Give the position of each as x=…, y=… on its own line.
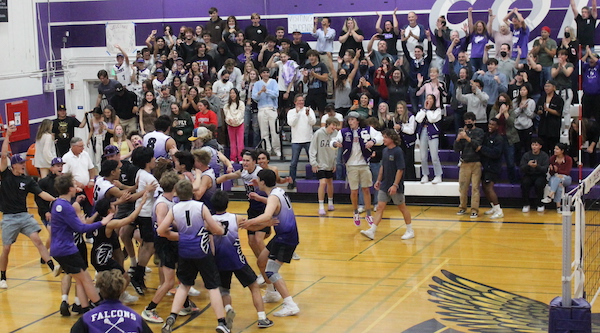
x=144, y=178
x=194, y=237
x=101, y=186
x=159, y=200
x=157, y=141
x=247, y=178
x=123, y=74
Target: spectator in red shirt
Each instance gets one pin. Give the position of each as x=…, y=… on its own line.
x=204, y=115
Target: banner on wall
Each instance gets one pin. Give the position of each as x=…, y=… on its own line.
x=19, y=113
x=122, y=34
x=301, y=22
x=3, y=10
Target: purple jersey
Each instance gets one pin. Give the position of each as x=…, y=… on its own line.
x=65, y=223
x=211, y=190
x=478, y=42
x=286, y=231
x=194, y=237
x=591, y=79
x=157, y=141
x=228, y=250
x=112, y=316
x=520, y=39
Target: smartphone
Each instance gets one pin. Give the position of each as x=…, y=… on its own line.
x=370, y=103
x=461, y=130
x=492, y=46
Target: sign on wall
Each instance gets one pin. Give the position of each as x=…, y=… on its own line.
x=301, y=22
x=3, y=10
x=18, y=112
x=122, y=34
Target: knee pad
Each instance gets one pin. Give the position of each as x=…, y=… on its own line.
x=224, y=291
x=272, y=270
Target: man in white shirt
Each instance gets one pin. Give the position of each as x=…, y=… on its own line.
x=325, y=37
x=414, y=32
x=79, y=163
x=301, y=120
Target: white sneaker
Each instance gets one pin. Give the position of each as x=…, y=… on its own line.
x=541, y=209
x=127, y=298
x=271, y=297
x=260, y=280
x=287, y=310
x=408, y=234
x=295, y=256
x=148, y=269
x=436, y=180
x=57, y=270
x=547, y=200
x=525, y=209
x=490, y=211
x=368, y=233
x=361, y=209
x=193, y=292
x=498, y=214
x=3, y=284
x=424, y=179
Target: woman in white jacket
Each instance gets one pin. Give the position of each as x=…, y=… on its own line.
x=234, y=118
x=45, y=150
x=429, y=138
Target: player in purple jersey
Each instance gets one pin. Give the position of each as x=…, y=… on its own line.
x=230, y=260
x=281, y=247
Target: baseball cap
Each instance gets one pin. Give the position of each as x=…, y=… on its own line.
x=118, y=87
x=159, y=61
x=15, y=159
x=546, y=28
x=353, y=114
x=61, y=107
x=179, y=58
x=199, y=132
x=296, y=31
x=120, y=55
x=159, y=71
x=110, y=150
x=139, y=60
x=57, y=160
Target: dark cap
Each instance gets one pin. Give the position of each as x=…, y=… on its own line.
x=118, y=87
x=110, y=151
x=296, y=31
x=16, y=159
x=61, y=107
x=159, y=61
x=57, y=160
x=179, y=58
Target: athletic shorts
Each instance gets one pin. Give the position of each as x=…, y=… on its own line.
x=359, y=175
x=383, y=196
x=72, y=264
x=146, y=229
x=245, y=275
x=489, y=177
x=188, y=269
x=167, y=252
x=108, y=265
x=281, y=252
x=14, y=224
x=83, y=252
x=252, y=214
x=327, y=174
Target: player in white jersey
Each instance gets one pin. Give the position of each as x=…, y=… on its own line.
x=281, y=247
x=230, y=260
x=194, y=226
x=104, y=185
x=122, y=69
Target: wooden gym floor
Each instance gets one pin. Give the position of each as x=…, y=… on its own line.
x=347, y=283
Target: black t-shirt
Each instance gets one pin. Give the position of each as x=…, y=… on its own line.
x=572, y=51
x=64, y=130
x=187, y=52
x=205, y=62
x=586, y=29
x=47, y=185
x=351, y=44
x=124, y=104
x=316, y=86
x=256, y=34
x=533, y=77
x=109, y=89
x=391, y=39
x=14, y=191
x=128, y=173
x=301, y=48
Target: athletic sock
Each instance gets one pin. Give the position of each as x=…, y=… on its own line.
x=222, y=321
x=186, y=304
x=139, y=273
x=132, y=261
x=373, y=227
x=262, y=315
x=65, y=297
x=173, y=315
x=321, y=204
x=409, y=227
x=368, y=212
x=270, y=287
x=228, y=307
x=3, y=275
x=497, y=207
x=50, y=264
x=330, y=201
x=288, y=300
x=151, y=306
x=77, y=301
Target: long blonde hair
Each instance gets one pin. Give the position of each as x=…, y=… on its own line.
x=401, y=118
x=382, y=120
x=45, y=127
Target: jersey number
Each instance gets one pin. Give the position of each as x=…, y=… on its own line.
x=151, y=143
x=188, y=220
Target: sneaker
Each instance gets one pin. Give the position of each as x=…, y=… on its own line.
x=64, y=309
x=229, y=316
x=168, y=326
x=189, y=310
x=322, y=212
x=461, y=212
x=260, y=280
x=408, y=234
x=271, y=297
x=295, y=256
x=151, y=316
x=42, y=261
x=171, y=292
x=490, y=211
x=559, y=210
x=287, y=310
x=193, y=292
x=90, y=240
x=474, y=215
x=329, y=208
x=368, y=233
x=424, y=179
x=57, y=270
x=76, y=308
x=126, y=298
x=137, y=286
x=436, y=180
x=3, y=284
x=264, y=323
x=547, y=200
x=497, y=215
x=369, y=219
x=291, y=186
x=148, y=269
x=541, y=209
x=222, y=329
x=361, y=209
x=525, y=209
x=357, y=220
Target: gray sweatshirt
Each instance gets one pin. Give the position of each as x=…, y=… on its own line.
x=476, y=103
x=320, y=153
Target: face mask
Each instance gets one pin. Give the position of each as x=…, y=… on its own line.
x=567, y=35
x=363, y=67
x=343, y=76
x=119, y=134
x=469, y=126
x=503, y=54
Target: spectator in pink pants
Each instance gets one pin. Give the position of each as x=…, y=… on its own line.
x=234, y=117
